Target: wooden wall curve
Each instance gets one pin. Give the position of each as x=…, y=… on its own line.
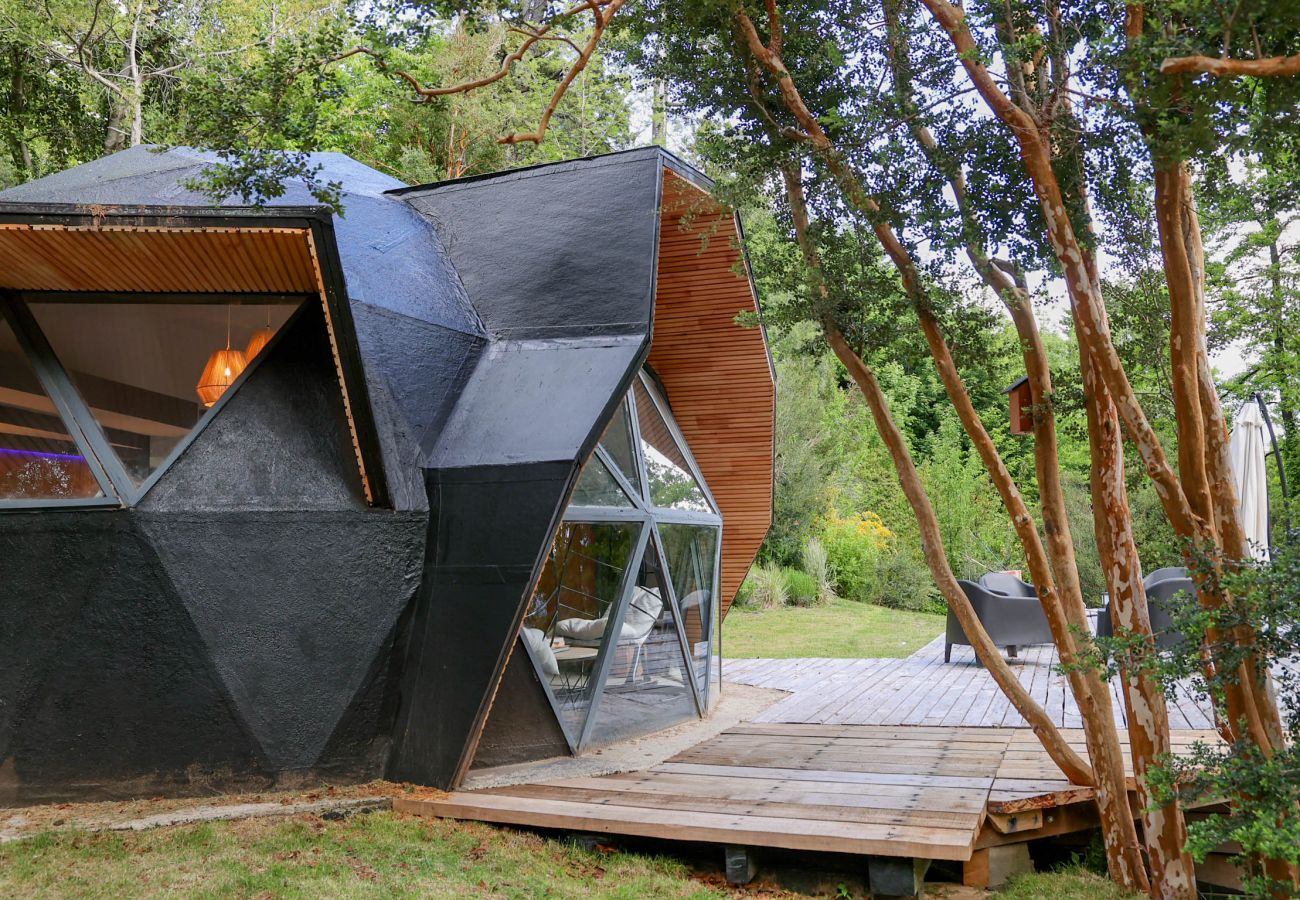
x=718, y=374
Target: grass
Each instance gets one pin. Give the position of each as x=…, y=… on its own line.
x=840, y=629
x=384, y=855
x=1065, y=884
x=368, y=855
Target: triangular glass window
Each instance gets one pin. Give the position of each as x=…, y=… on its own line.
x=671, y=484
x=617, y=441
x=597, y=487
x=647, y=683
x=39, y=459
x=692, y=556
x=149, y=371
x=570, y=614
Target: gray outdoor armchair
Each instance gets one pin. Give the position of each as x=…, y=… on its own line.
x=1006, y=583
x=1162, y=586
x=1011, y=622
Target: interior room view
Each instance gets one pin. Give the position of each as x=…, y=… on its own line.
x=146, y=373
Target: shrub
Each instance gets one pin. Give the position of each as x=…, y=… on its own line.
x=853, y=549
x=769, y=589
x=801, y=587
x=817, y=563
x=904, y=582
x=745, y=594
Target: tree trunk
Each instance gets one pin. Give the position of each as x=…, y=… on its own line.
x=1173, y=874
x=115, y=134
x=19, y=150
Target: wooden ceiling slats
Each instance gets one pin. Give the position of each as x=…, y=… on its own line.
x=125, y=259
x=718, y=374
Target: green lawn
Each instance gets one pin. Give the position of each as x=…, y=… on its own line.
x=368, y=855
x=382, y=855
x=842, y=629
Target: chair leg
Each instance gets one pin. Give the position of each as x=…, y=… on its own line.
x=947, y=652
x=1011, y=651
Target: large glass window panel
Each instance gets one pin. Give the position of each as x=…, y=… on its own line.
x=692, y=554
x=149, y=371
x=596, y=487
x=570, y=612
x=670, y=482
x=617, y=441
x=647, y=683
x=38, y=458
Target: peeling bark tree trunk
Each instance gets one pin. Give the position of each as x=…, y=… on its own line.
x=1173, y=874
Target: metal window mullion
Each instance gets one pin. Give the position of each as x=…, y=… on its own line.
x=715, y=599
x=670, y=516
x=613, y=628
x=632, y=494
x=82, y=428
x=605, y=514
x=688, y=658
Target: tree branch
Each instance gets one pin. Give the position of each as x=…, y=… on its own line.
x=1268, y=67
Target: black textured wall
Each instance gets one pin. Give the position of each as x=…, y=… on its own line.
x=236, y=629
x=489, y=531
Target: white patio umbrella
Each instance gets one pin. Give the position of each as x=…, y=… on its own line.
x=1246, y=448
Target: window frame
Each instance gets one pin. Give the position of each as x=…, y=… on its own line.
x=120, y=490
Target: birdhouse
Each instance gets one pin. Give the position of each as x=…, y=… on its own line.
x=1022, y=401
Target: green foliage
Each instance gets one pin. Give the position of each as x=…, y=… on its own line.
x=817, y=563
x=767, y=586
x=853, y=548
x=801, y=588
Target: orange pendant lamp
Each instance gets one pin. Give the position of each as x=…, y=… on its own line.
x=261, y=337
x=223, y=367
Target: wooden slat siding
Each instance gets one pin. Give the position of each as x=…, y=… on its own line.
x=117, y=258
x=718, y=375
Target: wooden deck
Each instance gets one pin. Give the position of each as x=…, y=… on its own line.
x=912, y=791
x=924, y=690
x=877, y=757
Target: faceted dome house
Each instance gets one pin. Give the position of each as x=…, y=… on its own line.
x=462, y=475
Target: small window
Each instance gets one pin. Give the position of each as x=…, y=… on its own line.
x=597, y=487
x=149, y=371
x=672, y=486
x=39, y=459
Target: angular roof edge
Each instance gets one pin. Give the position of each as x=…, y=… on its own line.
x=670, y=161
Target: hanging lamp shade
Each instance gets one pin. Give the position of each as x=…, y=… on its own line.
x=223, y=367
x=261, y=337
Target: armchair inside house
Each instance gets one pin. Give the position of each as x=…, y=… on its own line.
x=1011, y=621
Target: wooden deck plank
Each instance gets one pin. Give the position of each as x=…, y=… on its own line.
x=692, y=825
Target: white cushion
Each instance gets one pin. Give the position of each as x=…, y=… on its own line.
x=582, y=629
x=542, y=651
x=642, y=613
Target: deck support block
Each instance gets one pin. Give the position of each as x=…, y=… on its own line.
x=896, y=876
x=742, y=864
x=992, y=866
x=586, y=840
